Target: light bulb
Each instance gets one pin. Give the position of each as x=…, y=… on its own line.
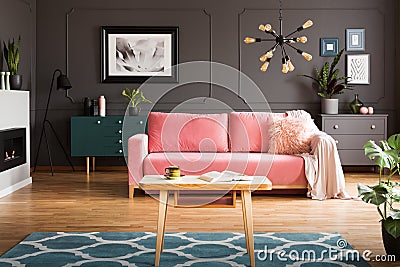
x=263, y=58
x=285, y=68
x=267, y=55
x=290, y=65
x=307, y=24
x=268, y=28
x=264, y=66
x=249, y=40
x=307, y=56
x=302, y=39
x=261, y=27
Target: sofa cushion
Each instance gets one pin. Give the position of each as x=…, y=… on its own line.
x=174, y=132
x=248, y=131
x=282, y=170
x=291, y=135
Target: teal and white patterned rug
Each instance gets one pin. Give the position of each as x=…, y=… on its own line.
x=181, y=249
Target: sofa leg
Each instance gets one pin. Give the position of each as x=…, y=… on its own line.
x=131, y=191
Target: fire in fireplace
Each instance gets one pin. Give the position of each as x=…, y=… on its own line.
x=12, y=148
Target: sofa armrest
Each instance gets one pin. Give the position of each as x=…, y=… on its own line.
x=137, y=151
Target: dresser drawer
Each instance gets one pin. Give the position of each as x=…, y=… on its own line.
x=346, y=141
x=354, y=157
x=366, y=126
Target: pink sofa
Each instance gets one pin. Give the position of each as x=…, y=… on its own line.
x=200, y=143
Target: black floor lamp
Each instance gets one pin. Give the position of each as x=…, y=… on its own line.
x=62, y=83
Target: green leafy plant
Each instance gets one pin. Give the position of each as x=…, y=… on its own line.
x=11, y=55
x=328, y=81
x=135, y=97
x=386, y=194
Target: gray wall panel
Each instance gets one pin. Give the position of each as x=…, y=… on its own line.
x=213, y=29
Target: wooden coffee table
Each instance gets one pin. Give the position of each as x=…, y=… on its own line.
x=159, y=182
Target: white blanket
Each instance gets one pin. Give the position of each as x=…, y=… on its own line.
x=323, y=169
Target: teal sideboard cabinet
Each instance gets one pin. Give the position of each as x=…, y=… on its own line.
x=103, y=136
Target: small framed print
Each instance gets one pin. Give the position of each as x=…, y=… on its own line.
x=329, y=47
x=358, y=69
x=355, y=39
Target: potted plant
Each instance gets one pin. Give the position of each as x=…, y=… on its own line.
x=329, y=83
x=135, y=97
x=12, y=56
x=386, y=194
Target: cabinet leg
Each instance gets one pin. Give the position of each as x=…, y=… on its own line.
x=87, y=165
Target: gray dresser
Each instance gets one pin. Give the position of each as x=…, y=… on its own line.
x=351, y=132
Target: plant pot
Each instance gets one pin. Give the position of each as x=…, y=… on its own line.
x=16, y=82
x=133, y=111
x=329, y=106
x=391, y=244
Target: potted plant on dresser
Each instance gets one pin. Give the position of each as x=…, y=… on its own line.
x=386, y=194
x=135, y=97
x=12, y=56
x=328, y=84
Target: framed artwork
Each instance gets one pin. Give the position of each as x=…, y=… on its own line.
x=355, y=39
x=135, y=54
x=329, y=47
x=358, y=69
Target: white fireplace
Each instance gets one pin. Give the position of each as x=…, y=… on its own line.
x=14, y=129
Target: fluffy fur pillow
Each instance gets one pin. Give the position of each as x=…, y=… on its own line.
x=291, y=135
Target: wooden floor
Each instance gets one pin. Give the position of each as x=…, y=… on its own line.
x=68, y=202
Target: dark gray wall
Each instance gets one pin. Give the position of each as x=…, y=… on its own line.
x=18, y=18
x=210, y=30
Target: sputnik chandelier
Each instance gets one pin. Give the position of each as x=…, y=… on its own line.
x=281, y=41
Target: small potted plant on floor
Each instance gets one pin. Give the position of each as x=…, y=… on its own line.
x=135, y=97
x=386, y=194
x=329, y=83
x=12, y=56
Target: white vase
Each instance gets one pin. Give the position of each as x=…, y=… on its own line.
x=329, y=106
x=2, y=80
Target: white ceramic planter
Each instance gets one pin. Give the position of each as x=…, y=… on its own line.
x=329, y=106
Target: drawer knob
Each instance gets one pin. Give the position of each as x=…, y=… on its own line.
x=373, y=126
x=119, y=121
x=120, y=131
x=120, y=151
x=140, y=122
x=98, y=122
x=336, y=141
x=335, y=126
x=120, y=141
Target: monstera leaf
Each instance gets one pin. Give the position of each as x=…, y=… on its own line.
x=373, y=194
x=392, y=226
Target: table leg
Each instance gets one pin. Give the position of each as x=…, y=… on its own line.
x=246, y=235
x=165, y=219
x=162, y=212
x=248, y=211
x=87, y=165
x=93, y=163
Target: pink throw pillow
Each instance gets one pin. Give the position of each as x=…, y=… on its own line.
x=248, y=131
x=183, y=132
x=291, y=135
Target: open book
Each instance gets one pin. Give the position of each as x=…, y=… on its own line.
x=225, y=176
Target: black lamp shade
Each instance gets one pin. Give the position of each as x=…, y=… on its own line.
x=63, y=82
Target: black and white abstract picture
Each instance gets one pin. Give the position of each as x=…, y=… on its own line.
x=134, y=54
x=358, y=69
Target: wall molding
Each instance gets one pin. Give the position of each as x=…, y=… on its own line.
x=28, y=4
